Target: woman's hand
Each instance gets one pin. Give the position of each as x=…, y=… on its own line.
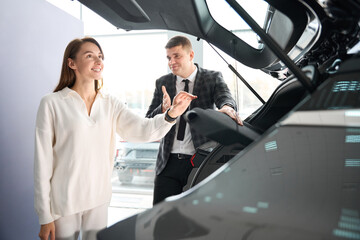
x=180, y=103
x=47, y=230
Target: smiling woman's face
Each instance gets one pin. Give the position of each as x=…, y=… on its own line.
x=88, y=63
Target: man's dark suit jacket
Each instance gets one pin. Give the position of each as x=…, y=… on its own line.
x=211, y=90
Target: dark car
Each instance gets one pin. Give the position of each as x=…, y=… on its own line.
x=135, y=163
x=293, y=170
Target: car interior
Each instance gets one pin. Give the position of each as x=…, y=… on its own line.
x=227, y=133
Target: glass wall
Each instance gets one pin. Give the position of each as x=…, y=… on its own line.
x=132, y=64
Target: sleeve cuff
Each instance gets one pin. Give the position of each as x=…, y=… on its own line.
x=228, y=104
x=47, y=218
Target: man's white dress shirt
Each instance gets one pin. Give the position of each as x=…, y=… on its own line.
x=185, y=146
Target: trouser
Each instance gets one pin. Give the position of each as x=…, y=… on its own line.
x=88, y=223
x=173, y=178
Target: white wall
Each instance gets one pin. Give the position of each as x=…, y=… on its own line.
x=33, y=37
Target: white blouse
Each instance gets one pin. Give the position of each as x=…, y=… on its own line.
x=74, y=152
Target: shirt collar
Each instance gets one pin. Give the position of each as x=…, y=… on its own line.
x=66, y=92
x=191, y=78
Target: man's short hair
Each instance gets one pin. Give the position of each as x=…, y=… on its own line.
x=179, y=41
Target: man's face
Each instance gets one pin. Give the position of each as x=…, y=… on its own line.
x=180, y=61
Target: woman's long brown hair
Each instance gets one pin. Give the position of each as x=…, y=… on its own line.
x=67, y=76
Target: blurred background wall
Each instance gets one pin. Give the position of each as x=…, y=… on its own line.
x=34, y=35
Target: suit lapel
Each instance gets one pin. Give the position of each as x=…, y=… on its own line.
x=197, y=84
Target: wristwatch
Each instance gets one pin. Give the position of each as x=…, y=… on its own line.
x=167, y=116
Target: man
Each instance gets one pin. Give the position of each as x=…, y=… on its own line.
x=173, y=163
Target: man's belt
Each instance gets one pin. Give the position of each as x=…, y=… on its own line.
x=180, y=156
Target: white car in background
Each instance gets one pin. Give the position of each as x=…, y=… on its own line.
x=135, y=163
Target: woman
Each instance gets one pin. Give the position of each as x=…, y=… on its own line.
x=75, y=135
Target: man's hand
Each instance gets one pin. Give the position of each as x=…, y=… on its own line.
x=180, y=103
x=231, y=113
x=166, y=103
x=47, y=230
